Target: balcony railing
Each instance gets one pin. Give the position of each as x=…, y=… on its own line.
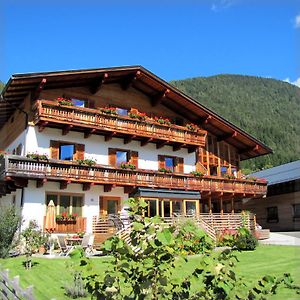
x=56, y=170
x=93, y=119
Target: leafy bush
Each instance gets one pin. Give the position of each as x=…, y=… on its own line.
x=190, y=239
x=227, y=237
x=241, y=239
x=76, y=288
x=245, y=240
x=144, y=266
x=10, y=222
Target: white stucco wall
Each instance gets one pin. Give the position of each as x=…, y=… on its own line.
x=9, y=199
x=34, y=207
x=19, y=140
x=97, y=149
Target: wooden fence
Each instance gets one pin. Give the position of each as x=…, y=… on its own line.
x=10, y=288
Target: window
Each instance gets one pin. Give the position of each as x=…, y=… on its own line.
x=272, y=214
x=223, y=171
x=296, y=211
x=79, y=102
x=71, y=204
x=122, y=111
x=169, y=163
x=66, y=151
x=118, y=156
x=121, y=157
x=172, y=163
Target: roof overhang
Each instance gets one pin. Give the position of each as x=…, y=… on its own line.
x=20, y=85
x=168, y=194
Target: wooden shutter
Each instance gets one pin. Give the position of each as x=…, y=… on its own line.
x=79, y=151
x=134, y=158
x=179, y=164
x=112, y=160
x=54, y=149
x=161, y=161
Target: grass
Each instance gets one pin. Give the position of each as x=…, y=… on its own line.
x=49, y=276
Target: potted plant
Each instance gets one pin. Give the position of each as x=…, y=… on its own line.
x=37, y=156
x=64, y=101
x=162, y=120
x=128, y=166
x=135, y=114
x=192, y=127
x=108, y=110
x=165, y=170
x=197, y=173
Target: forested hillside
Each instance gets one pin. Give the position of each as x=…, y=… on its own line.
x=266, y=108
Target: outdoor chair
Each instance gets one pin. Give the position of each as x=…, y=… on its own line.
x=64, y=248
x=87, y=244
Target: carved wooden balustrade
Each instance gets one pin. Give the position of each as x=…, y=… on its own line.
x=92, y=120
x=13, y=166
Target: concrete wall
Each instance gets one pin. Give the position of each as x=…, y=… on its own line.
x=284, y=204
x=34, y=207
x=97, y=149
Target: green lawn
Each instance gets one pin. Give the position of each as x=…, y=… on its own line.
x=49, y=275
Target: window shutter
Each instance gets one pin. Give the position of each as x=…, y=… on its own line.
x=179, y=164
x=134, y=158
x=79, y=151
x=112, y=160
x=54, y=149
x=161, y=161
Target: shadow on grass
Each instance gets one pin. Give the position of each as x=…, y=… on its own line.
x=25, y=263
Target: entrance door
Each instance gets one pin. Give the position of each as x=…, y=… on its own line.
x=153, y=207
x=191, y=207
x=109, y=205
x=166, y=208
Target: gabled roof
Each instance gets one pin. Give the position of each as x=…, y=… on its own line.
x=280, y=174
x=19, y=85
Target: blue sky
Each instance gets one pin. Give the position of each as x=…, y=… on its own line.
x=173, y=39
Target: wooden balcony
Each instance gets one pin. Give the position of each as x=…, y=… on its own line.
x=78, y=225
x=13, y=166
x=49, y=113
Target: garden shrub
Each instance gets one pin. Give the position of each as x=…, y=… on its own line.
x=245, y=240
x=227, y=237
x=190, y=239
x=145, y=267
x=10, y=222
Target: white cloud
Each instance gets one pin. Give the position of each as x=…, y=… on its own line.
x=221, y=5
x=296, y=82
x=297, y=21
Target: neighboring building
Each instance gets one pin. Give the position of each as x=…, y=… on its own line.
x=75, y=117
x=280, y=210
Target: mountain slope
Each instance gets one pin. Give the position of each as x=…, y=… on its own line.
x=266, y=108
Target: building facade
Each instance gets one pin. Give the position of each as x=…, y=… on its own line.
x=89, y=139
x=280, y=210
